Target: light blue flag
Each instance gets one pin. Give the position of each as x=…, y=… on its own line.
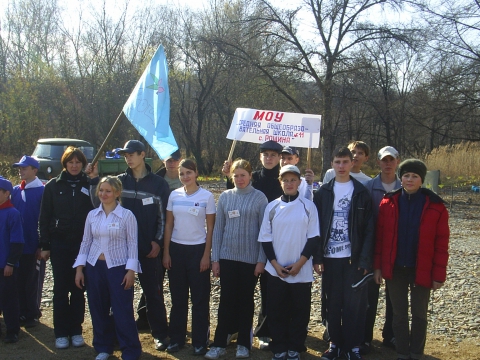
x=148, y=107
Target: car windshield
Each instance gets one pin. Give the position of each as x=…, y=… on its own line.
x=49, y=151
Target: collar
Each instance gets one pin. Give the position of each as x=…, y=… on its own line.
x=33, y=184
x=273, y=172
x=7, y=204
x=118, y=211
x=246, y=190
x=289, y=198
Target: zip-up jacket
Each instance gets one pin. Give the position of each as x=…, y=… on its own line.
x=63, y=212
x=30, y=211
x=147, y=199
x=375, y=188
x=360, y=223
x=433, y=238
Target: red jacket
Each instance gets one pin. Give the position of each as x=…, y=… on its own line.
x=432, y=253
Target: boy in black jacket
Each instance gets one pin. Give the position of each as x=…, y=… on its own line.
x=344, y=255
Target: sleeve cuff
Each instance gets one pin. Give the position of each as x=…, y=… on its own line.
x=80, y=261
x=133, y=264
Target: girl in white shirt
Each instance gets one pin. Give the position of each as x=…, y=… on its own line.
x=187, y=258
x=109, y=256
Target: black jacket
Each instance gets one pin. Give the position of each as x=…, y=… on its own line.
x=361, y=230
x=147, y=200
x=63, y=212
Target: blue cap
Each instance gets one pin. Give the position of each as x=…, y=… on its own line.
x=5, y=184
x=290, y=150
x=27, y=161
x=131, y=146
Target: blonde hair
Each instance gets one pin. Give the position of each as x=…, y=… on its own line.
x=240, y=164
x=114, y=182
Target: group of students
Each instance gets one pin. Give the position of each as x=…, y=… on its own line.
x=99, y=232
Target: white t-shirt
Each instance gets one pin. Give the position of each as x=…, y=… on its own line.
x=360, y=176
x=338, y=242
x=389, y=187
x=294, y=222
x=189, y=214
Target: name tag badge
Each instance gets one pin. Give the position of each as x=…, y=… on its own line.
x=233, y=214
x=114, y=226
x=147, y=201
x=194, y=211
x=85, y=191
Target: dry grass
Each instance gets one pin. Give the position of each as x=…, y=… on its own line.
x=458, y=164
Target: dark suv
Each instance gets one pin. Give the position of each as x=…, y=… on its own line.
x=49, y=152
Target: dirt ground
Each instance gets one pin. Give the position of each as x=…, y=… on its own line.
x=38, y=343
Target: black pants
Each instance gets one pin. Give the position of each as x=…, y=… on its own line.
x=153, y=292
x=40, y=267
x=345, y=308
x=373, y=292
x=142, y=307
x=236, y=306
x=288, y=314
x=68, y=299
x=9, y=301
x=409, y=341
x=185, y=275
x=27, y=284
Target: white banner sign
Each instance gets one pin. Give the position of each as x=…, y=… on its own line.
x=293, y=129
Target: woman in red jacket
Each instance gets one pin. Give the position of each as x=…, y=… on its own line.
x=411, y=254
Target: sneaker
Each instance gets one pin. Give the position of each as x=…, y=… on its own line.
x=365, y=348
x=293, y=355
x=173, y=348
x=160, y=345
x=280, y=356
x=231, y=337
x=202, y=350
x=215, y=352
x=353, y=354
x=332, y=353
x=242, y=352
x=78, y=341
x=102, y=356
x=389, y=343
x=62, y=343
x=263, y=343
x=11, y=338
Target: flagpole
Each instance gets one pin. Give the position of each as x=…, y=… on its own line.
x=109, y=135
x=231, y=151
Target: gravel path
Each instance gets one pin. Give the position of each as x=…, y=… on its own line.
x=454, y=310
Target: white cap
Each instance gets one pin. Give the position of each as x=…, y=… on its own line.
x=289, y=168
x=388, y=151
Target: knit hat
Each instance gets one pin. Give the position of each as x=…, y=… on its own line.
x=414, y=166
